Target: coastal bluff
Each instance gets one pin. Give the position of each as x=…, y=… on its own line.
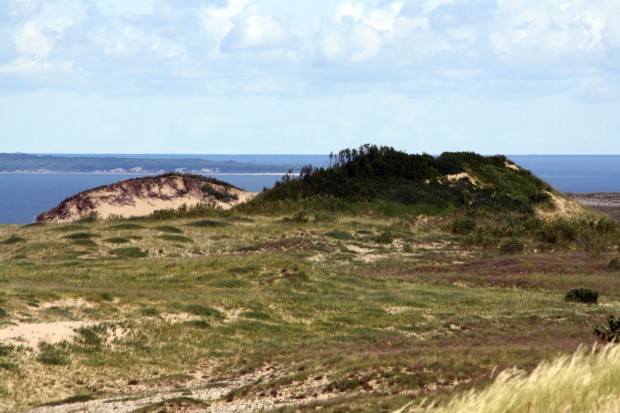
x=142, y=196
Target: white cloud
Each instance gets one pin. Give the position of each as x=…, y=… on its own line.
x=252, y=30
x=250, y=46
x=31, y=41
x=217, y=22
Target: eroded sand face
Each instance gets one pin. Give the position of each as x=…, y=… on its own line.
x=143, y=196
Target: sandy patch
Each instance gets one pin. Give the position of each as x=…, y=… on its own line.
x=461, y=176
x=31, y=335
x=512, y=166
x=562, y=208
x=78, y=303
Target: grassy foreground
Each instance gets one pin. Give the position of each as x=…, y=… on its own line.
x=584, y=382
x=284, y=313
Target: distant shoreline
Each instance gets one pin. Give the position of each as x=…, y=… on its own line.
x=146, y=173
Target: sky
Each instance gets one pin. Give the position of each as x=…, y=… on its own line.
x=309, y=76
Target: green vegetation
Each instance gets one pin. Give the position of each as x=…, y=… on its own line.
x=129, y=252
x=13, y=240
x=316, y=299
x=452, y=180
x=609, y=332
x=582, y=295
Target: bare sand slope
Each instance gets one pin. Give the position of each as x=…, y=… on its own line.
x=143, y=196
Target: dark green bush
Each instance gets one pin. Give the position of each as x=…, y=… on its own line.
x=129, y=252
x=511, y=246
x=204, y=311
x=385, y=238
x=169, y=229
x=582, y=295
x=207, y=223
x=80, y=236
x=299, y=218
x=614, y=264
x=463, y=226
x=117, y=240
x=176, y=238
x=13, y=240
x=610, y=332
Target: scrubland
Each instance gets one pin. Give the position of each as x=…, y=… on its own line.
x=371, y=309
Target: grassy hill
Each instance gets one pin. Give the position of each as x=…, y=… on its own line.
x=452, y=180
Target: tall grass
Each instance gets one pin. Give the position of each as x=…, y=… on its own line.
x=587, y=382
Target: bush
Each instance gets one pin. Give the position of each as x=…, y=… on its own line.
x=614, y=264
x=610, y=332
x=511, y=246
x=13, y=240
x=299, y=218
x=582, y=295
x=130, y=252
x=463, y=226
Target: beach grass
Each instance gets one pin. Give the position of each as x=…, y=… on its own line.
x=358, y=312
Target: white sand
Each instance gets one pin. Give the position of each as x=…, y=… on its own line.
x=32, y=335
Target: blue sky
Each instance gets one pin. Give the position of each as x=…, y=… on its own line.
x=275, y=76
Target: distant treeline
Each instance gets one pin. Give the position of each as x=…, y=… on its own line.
x=10, y=162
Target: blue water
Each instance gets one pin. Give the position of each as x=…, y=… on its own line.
x=24, y=196
x=575, y=173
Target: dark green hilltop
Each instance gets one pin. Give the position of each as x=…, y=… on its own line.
x=383, y=174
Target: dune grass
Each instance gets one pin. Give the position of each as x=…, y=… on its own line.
x=585, y=382
x=351, y=313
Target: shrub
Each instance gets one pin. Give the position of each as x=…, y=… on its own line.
x=130, y=252
x=299, y=218
x=80, y=236
x=610, y=332
x=463, y=226
x=385, y=238
x=125, y=226
x=13, y=240
x=201, y=310
x=175, y=238
x=511, y=246
x=207, y=223
x=169, y=229
x=582, y=295
x=116, y=240
x=614, y=264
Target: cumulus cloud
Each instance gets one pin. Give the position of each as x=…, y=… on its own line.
x=421, y=46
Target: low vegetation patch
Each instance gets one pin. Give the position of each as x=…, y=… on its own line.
x=129, y=252
x=52, y=355
x=582, y=295
x=169, y=229
x=175, y=238
x=80, y=236
x=207, y=223
x=13, y=240
x=117, y=240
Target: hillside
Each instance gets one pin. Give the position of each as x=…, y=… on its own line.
x=453, y=180
x=143, y=196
